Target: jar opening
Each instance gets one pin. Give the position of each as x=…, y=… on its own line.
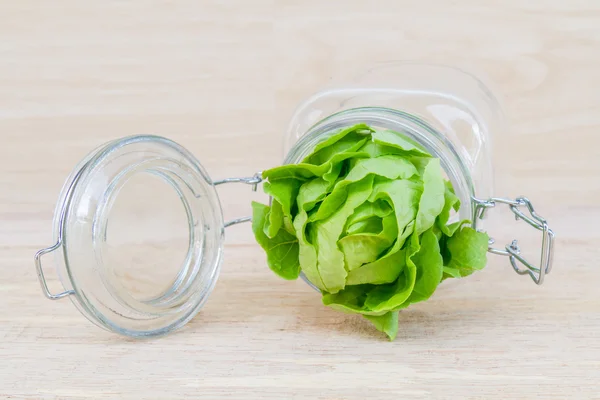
x=147, y=244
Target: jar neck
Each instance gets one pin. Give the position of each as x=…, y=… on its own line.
x=410, y=125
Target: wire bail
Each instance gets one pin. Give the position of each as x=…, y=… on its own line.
x=512, y=250
x=253, y=180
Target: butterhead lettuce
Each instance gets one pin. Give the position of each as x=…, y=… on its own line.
x=365, y=218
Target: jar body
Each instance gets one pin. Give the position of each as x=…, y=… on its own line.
x=449, y=112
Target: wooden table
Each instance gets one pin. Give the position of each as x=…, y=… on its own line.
x=222, y=78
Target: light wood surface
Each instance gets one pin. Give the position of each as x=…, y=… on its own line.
x=222, y=78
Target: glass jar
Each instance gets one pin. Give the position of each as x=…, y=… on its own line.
x=83, y=259
x=447, y=111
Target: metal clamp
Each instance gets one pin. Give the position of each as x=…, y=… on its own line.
x=38, y=256
x=254, y=181
x=40, y=273
x=512, y=250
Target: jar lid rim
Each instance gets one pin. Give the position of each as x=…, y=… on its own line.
x=83, y=207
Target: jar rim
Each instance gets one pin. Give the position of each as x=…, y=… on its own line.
x=93, y=181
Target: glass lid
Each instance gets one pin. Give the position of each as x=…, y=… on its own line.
x=139, y=235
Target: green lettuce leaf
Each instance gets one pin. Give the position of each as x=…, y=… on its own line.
x=372, y=225
x=284, y=191
x=274, y=220
x=345, y=140
x=365, y=247
x=392, y=297
x=377, y=150
x=308, y=195
x=312, y=192
x=307, y=252
x=368, y=210
x=329, y=170
x=384, y=167
x=431, y=202
x=399, y=142
x=450, y=272
x=386, y=323
x=451, y=202
x=330, y=260
x=282, y=249
x=379, y=271
x=376, y=299
x=288, y=225
x=389, y=166
x=429, y=264
x=403, y=197
x=468, y=252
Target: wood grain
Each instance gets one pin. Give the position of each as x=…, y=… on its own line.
x=222, y=78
